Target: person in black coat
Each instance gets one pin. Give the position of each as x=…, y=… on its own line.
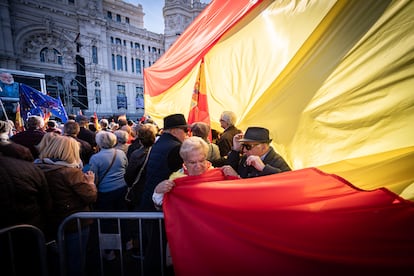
x=132, y=176
x=85, y=133
x=24, y=199
x=164, y=159
x=252, y=155
x=24, y=193
x=32, y=136
x=71, y=129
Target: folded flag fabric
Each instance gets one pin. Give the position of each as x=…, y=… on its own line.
x=303, y=222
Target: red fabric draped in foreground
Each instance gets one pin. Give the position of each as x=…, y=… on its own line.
x=303, y=222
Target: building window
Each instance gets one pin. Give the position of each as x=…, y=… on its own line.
x=95, y=54
x=127, y=20
x=149, y=49
x=98, y=99
x=125, y=43
x=137, y=46
x=132, y=45
x=112, y=39
x=138, y=65
x=71, y=1
x=142, y=47
x=132, y=65
x=118, y=41
x=109, y=15
x=121, y=98
x=51, y=55
x=126, y=64
x=139, y=97
x=119, y=63
x=120, y=89
x=113, y=62
x=118, y=18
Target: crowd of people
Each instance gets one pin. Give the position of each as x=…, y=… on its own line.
x=85, y=165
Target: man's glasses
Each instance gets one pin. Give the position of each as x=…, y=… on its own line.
x=185, y=129
x=248, y=146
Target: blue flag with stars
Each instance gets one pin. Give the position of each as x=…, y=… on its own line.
x=34, y=102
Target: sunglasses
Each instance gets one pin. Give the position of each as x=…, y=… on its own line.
x=248, y=146
x=185, y=129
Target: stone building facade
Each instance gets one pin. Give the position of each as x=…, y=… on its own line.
x=93, y=52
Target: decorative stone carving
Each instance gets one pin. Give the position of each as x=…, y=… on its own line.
x=47, y=48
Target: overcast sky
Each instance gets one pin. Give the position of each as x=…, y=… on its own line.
x=153, y=19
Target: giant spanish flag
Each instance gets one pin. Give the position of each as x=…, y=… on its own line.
x=332, y=80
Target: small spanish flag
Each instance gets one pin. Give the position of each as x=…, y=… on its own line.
x=199, y=105
x=19, y=120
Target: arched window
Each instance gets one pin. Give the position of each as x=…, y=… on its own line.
x=51, y=55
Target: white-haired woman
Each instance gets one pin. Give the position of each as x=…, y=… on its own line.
x=193, y=151
x=122, y=138
x=109, y=166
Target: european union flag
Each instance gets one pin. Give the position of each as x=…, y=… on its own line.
x=34, y=102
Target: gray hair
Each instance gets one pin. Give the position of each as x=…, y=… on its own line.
x=229, y=117
x=104, y=123
x=121, y=136
x=105, y=139
x=35, y=122
x=192, y=144
x=200, y=129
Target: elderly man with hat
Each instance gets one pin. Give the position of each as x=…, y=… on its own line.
x=163, y=160
x=252, y=155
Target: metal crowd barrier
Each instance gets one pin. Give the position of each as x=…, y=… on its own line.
x=124, y=226
x=22, y=249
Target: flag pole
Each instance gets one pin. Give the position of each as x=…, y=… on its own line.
x=3, y=109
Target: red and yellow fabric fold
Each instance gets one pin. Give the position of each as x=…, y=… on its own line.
x=331, y=80
x=303, y=222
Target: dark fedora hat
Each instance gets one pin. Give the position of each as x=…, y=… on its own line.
x=256, y=134
x=175, y=121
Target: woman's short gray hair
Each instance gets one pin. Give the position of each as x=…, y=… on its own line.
x=105, y=139
x=121, y=136
x=192, y=144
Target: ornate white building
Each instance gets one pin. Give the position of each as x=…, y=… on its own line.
x=93, y=52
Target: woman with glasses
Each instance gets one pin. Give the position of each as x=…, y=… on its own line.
x=252, y=155
x=193, y=151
